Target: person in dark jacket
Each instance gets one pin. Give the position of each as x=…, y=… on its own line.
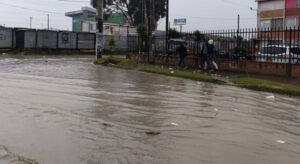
x=211, y=56
x=182, y=50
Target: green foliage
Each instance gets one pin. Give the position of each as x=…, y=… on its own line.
x=182, y=74
x=142, y=30
x=198, y=36
x=173, y=33
x=118, y=62
x=112, y=43
x=265, y=85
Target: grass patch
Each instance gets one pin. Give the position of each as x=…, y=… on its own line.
x=265, y=85
x=182, y=74
x=118, y=62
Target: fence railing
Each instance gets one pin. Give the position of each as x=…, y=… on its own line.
x=13, y=38
x=261, y=45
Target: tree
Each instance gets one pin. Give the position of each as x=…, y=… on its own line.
x=173, y=33
x=134, y=11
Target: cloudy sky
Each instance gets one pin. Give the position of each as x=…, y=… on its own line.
x=200, y=14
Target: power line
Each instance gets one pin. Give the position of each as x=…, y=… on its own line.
x=25, y=8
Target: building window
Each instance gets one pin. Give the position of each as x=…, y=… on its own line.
x=298, y=3
x=291, y=23
x=265, y=24
x=277, y=23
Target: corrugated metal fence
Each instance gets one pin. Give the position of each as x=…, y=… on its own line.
x=43, y=39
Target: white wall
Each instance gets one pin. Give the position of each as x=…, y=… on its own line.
x=271, y=5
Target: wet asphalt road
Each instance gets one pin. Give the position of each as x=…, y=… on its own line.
x=65, y=110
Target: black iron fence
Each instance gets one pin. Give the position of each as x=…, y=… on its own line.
x=261, y=45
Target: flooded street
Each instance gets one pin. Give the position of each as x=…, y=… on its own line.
x=66, y=110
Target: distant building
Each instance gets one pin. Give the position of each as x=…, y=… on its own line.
x=77, y=16
x=278, y=13
x=84, y=20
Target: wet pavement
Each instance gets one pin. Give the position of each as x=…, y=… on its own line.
x=65, y=110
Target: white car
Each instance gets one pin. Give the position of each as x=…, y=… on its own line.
x=279, y=54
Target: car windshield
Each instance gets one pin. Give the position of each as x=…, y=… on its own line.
x=295, y=50
x=273, y=50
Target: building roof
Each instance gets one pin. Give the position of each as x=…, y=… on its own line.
x=72, y=13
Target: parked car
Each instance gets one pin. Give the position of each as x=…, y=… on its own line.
x=279, y=54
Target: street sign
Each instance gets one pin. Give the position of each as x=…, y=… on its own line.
x=180, y=21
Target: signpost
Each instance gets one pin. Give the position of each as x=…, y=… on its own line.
x=180, y=22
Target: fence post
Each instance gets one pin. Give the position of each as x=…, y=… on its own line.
x=95, y=40
x=77, y=40
x=12, y=38
x=289, y=65
x=57, y=40
x=36, y=38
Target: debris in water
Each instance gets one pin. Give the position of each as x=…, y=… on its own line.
x=280, y=141
x=217, y=111
x=170, y=68
x=153, y=133
x=271, y=97
x=4, y=53
x=174, y=124
x=172, y=72
x=235, y=110
x=106, y=124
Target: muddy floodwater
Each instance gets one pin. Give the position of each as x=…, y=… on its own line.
x=65, y=110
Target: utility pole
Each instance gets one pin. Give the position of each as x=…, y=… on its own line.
x=48, y=21
x=167, y=26
x=151, y=21
x=30, y=20
x=99, y=40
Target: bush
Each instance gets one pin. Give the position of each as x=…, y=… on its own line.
x=142, y=30
x=112, y=43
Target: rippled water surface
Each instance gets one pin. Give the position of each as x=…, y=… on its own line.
x=65, y=110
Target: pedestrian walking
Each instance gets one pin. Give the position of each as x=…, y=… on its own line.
x=211, y=56
x=203, y=55
x=182, y=50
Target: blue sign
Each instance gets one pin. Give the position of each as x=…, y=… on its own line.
x=181, y=21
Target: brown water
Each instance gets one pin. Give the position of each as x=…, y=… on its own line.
x=65, y=110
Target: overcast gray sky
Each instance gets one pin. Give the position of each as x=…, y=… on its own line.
x=200, y=14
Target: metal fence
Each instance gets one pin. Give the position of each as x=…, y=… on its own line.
x=11, y=38
x=261, y=45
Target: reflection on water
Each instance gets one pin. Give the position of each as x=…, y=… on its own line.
x=66, y=110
